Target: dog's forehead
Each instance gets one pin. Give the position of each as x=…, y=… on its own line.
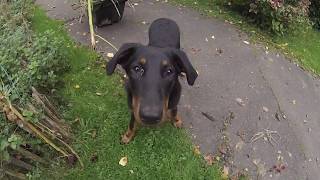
x=151, y=55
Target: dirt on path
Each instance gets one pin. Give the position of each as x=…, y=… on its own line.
x=254, y=109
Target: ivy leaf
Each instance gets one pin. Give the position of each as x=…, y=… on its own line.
x=5, y=155
x=4, y=144
x=26, y=113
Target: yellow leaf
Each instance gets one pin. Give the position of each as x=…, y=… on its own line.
x=123, y=161
x=225, y=172
x=110, y=55
x=196, y=150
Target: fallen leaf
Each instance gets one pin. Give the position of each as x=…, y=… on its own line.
x=225, y=172
x=123, y=161
x=239, y=145
x=209, y=159
x=240, y=102
x=110, y=55
x=77, y=86
x=98, y=94
x=94, y=133
x=265, y=109
x=217, y=158
x=196, y=150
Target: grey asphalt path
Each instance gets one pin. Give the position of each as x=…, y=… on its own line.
x=253, y=109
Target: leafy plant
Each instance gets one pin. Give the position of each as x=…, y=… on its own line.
x=276, y=16
x=315, y=13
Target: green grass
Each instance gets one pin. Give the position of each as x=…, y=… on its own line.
x=157, y=153
x=303, y=48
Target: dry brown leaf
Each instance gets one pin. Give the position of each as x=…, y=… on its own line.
x=209, y=159
x=225, y=172
x=123, y=161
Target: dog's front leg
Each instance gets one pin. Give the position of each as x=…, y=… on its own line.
x=129, y=134
x=175, y=118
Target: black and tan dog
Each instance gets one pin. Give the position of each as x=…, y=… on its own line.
x=153, y=87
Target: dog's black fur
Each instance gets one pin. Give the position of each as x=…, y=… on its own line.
x=153, y=87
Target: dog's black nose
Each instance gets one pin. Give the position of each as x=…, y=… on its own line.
x=150, y=115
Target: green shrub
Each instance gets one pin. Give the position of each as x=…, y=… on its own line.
x=26, y=59
x=315, y=13
x=29, y=59
x=275, y=16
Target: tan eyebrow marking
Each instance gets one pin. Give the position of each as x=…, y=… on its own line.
x=143, y=61
x=164, y=63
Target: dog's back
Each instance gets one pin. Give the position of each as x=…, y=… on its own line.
x=163, y=33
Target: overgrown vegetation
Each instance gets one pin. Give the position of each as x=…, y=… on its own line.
x=27, y=61
x=315, y=13
x=277, y=16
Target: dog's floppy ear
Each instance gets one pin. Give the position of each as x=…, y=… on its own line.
x=122, y=57
x=184, y=65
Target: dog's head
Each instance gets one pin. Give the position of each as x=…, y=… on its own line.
x=153, y=73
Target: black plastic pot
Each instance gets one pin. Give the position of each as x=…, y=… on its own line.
x=107, y=12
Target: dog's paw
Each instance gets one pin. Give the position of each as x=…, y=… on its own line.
x=177, y=122
x=125, y=139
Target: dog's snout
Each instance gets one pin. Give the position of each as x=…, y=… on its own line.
x=151, y=115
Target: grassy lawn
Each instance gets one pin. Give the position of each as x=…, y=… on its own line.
x=98, y=109
x=303, y=47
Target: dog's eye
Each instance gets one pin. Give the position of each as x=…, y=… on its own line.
x=138, y=69
x=168, y=72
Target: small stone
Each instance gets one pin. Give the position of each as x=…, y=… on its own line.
x=294, y=102
x=305, y=121
x=246, y=42
x=212, y=37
